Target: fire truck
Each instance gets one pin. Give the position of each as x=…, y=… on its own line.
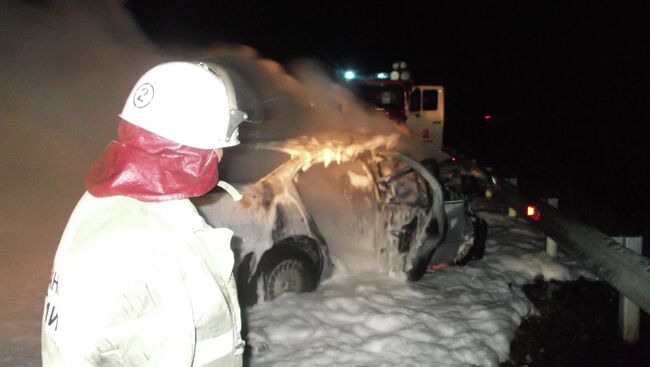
x=420, y=107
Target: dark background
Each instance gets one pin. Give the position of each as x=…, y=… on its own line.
x=567, y=83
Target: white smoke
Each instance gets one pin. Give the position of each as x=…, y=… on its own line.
x=66, y=68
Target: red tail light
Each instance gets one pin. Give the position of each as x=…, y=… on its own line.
x=533, y=213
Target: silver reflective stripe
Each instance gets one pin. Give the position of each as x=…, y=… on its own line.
x=209, y=350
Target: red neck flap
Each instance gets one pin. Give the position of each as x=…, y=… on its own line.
x=148, y=167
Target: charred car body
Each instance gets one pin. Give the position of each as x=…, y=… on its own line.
x=333, y=196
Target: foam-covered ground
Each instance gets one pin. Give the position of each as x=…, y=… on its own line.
x=456, y=316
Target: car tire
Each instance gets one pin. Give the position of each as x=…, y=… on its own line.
x=480, y=237
x=477, y=251
x=286, y=269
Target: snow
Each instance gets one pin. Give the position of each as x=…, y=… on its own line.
x=66, y=68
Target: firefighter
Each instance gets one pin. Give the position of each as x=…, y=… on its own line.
x=139, y=278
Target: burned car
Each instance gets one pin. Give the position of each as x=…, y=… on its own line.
x=353, y=204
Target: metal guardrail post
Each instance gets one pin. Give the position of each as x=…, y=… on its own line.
x=512, y=212
x=551, y=245
x=628, y=312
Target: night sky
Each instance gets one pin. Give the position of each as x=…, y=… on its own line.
x=569, y=80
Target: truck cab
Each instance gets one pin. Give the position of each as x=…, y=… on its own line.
x=387, y=96
x=426, y=114
x=421, y=108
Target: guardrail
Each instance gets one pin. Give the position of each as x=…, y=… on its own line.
x=621, y=267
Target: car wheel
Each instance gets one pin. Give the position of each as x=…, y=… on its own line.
x=463, y=257
x=477, y=251
x=287, y=270
x=480, y=236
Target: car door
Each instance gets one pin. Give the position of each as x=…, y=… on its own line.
x=426, y=116
x=413, y=205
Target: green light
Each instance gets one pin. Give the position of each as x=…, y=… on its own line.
x=382, y=76
x=349, y=75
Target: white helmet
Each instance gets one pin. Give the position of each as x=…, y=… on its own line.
x=188, y=103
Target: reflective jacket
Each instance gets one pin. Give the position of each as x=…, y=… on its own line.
x=141, y=284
